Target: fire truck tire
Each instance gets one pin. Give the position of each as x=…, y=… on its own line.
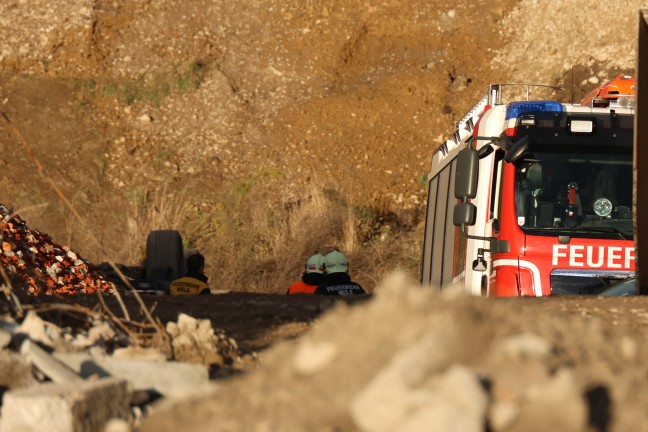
x=164, y=256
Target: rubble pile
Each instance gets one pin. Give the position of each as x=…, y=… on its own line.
x=94, y=375
x=69, y=367
x=35, y=264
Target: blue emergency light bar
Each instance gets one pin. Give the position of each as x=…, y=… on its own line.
x=515, y=109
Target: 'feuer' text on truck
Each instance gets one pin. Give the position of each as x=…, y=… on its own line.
x=534, y=197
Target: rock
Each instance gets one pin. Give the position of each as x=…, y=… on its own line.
x=558, y=405
x=312, y=356
x=526, y=345
x=139, y=353
x=78, y=407
x=15, y=370
x=46, y=363
x=117, y=425
x=5, y=338
x=168, y=378
x=38, y=330
x=196, y=341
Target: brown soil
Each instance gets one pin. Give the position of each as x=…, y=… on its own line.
x=125, y=101
x=598, y=342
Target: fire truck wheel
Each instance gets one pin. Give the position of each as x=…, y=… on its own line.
x=164, y=256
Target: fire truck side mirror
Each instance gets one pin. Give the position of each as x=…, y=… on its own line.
x=464, y=214
x=515, y=150
x=467, y=173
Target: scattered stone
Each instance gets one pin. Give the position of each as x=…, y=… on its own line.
x=5, y=338
x=312, y=356
x=168, y=378
x=527, y=345
x=15, y=371
x=196, y=341
x=139, y=353
x=73, y=407
x=117, y=425
x=628, y=348
x=39, y=330
x=48, y=364
x=557, y=405
x=502, y=414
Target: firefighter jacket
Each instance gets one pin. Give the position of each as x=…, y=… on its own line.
x=339, y=284
x=307, y=284
x=192, y=283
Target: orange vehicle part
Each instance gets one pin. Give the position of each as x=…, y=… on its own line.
x=622, y=85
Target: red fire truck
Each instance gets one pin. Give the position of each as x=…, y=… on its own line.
x=534, y=197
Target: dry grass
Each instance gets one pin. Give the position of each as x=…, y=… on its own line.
x=262, y=247
x=254, y=242
x=251, y=241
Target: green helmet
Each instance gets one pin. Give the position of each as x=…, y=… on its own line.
x=315, y=264
x=336, y=262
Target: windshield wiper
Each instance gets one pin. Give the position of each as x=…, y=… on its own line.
x=608, y=230
x=622, y=234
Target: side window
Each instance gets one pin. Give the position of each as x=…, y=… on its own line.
x=496, y=185
x=448, y=241
x=429, y=230
x=440, y=222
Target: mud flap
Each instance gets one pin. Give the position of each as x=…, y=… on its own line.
x=164, y=258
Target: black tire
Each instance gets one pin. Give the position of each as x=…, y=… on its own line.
x=164, y=257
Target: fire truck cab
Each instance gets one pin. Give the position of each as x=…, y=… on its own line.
x=533, y=197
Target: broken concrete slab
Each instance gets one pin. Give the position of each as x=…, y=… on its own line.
x=15, y=370
x=46, y=363
x=71, y=407
x=168, y=378
x=5, y=338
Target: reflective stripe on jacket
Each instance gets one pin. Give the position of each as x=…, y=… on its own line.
x=188, y=285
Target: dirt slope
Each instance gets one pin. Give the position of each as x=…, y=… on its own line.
x=124, y=101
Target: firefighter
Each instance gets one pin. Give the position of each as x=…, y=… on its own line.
x=194, y=281
x=337, y=280
x=313, y=276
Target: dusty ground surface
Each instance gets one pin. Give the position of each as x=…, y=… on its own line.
x=408, y=358
x=381, y=364
x=124, y=101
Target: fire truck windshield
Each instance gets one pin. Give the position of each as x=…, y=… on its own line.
x=576, y=185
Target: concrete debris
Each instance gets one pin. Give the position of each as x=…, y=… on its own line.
x=313, y=356
x=65, y=373
x=47, y=364
x=39, y=330
x=196, y=341
x=167, y=378
x=71, y=407
x=5, y=338
x=15, y=371
x=37, y=265
x=139, y=353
